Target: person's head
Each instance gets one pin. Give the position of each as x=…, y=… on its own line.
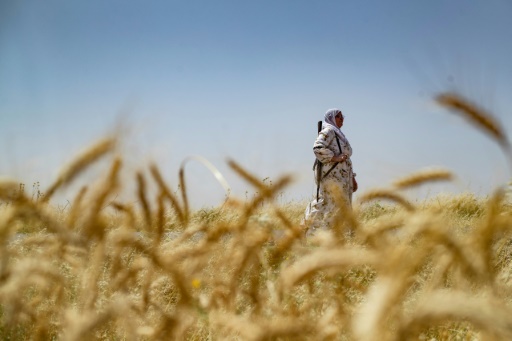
x=334, y=117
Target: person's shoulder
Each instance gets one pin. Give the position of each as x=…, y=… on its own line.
x=328, y=131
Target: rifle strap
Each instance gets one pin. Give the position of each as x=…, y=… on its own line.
x=330, y=169
x=338, y=142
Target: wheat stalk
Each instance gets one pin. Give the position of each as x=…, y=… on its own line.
x=387, y=194
x=442, y=305
x=423, y=176
x=79, y=164
x=339, y=258
x=479, y=118
x=474, y=114
x=167, y=193
x=141, y=193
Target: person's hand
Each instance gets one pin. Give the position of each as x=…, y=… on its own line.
x=354, y=184
x=339, y=158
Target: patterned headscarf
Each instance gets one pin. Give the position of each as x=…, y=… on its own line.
x=330, y=121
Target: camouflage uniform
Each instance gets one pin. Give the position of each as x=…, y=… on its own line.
x=319, y=213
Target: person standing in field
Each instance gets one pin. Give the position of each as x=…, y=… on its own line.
x=334, y=176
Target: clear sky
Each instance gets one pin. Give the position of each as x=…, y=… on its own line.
x=248, y=80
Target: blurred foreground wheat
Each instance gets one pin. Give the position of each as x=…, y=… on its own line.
x=390, y=270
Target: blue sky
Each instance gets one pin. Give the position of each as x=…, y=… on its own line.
x=248, y=80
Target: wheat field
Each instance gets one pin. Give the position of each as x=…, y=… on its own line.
x=390, y=269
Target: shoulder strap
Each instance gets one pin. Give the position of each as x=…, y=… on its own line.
x=339, y=146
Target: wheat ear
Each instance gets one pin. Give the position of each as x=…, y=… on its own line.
x=322, y=259
x=80, y=163
x=474, y=114
x=8, y=188
x=423, y=176
x=167, y=193
x=478, y=117
x=141, y=193
x=486, y=314
x=387, y=195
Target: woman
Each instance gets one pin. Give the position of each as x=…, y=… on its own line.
x=333, y=176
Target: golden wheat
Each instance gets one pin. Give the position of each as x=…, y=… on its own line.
x=386, y=194
x=105, y=268
x=167, y=193
x=80, y=163
x=481, y=119
x=141, y=193
x=423, y=176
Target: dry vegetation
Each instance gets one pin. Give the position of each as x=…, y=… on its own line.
x=391, y=269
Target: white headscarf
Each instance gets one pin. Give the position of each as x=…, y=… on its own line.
x=330, y=121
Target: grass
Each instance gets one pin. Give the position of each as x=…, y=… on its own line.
x=99, y=268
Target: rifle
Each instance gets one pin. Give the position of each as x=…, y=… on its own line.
x=317, y=166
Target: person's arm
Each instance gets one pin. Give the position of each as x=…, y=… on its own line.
x=339, y=158
x=321, y=147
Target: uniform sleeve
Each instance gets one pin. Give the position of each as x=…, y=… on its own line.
x=321, y=146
